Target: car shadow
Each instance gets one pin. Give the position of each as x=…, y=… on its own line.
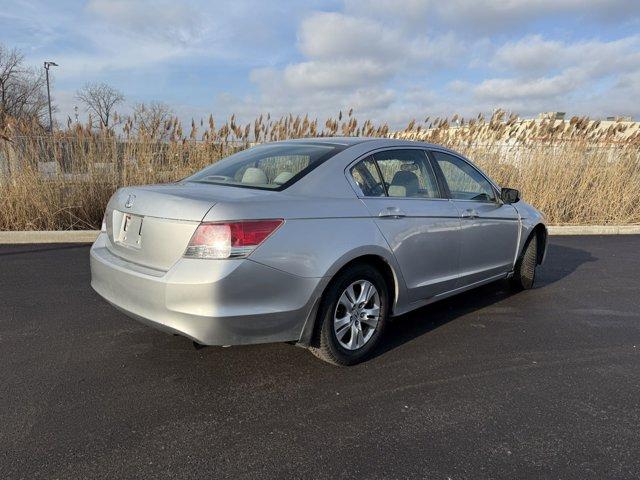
x=560, y=262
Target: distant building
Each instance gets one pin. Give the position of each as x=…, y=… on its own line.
x=551, y=115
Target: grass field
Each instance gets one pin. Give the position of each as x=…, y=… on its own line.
x=577, y=171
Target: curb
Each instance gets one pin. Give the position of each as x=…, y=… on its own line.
x=594, y=229
x=89, y=236
x=63, y=236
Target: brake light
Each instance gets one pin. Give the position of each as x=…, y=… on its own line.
x=230, y=239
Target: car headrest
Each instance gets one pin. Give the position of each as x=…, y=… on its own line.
x=408, y=180
x=397, y=191
x=254, y=176
x=283, y=177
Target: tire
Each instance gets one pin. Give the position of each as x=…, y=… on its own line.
x=524, y=274
x=334, y=340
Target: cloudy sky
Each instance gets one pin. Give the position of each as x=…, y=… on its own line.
x=389, y=60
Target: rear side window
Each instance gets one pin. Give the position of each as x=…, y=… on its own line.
x=270, y=167
x=464, y=181
x=407, y=173
x=365, y=174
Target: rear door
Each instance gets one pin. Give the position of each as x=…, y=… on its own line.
x=490, y=228
x=400, y=189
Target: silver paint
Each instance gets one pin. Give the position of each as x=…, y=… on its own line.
x=433, y=248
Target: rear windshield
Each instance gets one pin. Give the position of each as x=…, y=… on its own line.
x=270, y=166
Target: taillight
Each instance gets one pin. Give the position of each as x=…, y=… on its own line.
x=230, y=239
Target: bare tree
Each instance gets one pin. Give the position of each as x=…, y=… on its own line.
x=152, y=120
x=22, y=89
x=100, y=99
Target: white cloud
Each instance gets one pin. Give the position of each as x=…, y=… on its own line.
x=114, y=58
x=382, y=59
x=117, y=35
x=329, y=74
x=170, y=22
x=507, y=89
x=106, y=37
x=334, y=35
x=367, y=102
x=530, y=54
x=497, y=13
x=535, y=55
x=490, y=15
x=550, y=73
x=349, y=61
x=390, y=60
x=379, y=46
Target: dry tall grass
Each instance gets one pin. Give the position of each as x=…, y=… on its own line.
x=577, y=172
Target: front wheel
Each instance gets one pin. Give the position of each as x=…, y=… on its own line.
x=525, y=272
x=352, y=316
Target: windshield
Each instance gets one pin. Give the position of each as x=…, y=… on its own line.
x=270, y=166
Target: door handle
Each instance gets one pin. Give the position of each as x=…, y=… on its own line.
x=470, y=213
x=391, y=212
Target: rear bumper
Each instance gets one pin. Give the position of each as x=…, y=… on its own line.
x=214, y=302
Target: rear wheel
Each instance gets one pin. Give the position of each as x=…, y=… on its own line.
x=525, y=272
x=352, y=316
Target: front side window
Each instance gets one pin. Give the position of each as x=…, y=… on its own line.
x=271, y=166
x=464, y=181
x=407, y=173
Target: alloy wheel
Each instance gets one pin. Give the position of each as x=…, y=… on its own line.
x=356, y=315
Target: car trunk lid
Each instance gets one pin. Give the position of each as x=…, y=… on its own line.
x=152, y=225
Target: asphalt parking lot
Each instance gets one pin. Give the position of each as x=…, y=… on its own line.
x=490, y=384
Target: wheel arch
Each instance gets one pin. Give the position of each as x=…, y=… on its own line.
x=380, y=264
x=541, y=233
x=384, y=263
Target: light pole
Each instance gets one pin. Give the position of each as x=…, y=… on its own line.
x=46, y=67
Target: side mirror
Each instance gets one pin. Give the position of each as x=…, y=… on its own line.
x=509, y=195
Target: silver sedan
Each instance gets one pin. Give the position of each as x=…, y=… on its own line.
x=314, y=241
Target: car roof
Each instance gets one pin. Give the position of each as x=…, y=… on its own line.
x=351, y=141
x=346, y=141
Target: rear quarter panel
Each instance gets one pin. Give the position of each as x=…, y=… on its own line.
x=319, y=235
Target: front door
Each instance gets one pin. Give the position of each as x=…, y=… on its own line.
x=420, y=225
x=489, y=228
